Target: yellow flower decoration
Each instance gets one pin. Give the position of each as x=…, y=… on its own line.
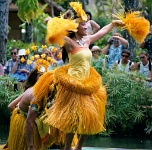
x=49, y=58
x=51, y=87
x=29, y=62
x=43, y=55
x=59, y=55
x=44, y=46
x=34, y=48
x=52, y=60
x=37, y=56
x=32, y=58
x=53, y=49
x=22, y=60
x=77, y=6
x=27, y=52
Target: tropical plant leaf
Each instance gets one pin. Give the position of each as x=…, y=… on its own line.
x=137, y=116
x=28, y=10
x=148, y=128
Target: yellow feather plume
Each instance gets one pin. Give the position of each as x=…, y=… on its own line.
x=58, y=28
x=137, y=26
x=77, y=6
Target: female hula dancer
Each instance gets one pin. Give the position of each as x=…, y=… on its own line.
x=19, y=108
x=79, y=105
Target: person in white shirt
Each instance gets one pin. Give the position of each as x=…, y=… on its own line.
x=145, y=66
x=92, y=26
x=124, y=63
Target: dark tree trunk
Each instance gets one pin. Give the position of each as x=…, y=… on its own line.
x=131, y=5
x=29, y=33
x=83, y=4
x=148, y=10
x=4, y=10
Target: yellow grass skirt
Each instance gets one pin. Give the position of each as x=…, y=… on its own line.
x=79, y=105
x=17, y=135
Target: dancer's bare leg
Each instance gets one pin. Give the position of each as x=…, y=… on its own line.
x=80, y=142
x=68, y=141
x=6, y=145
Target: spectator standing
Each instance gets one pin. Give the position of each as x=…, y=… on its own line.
x=114, y=48
x=147, y=44
x=92, y=26
x=48, y=53
x=97, y=61
x=21, y=69
x=144, y=67
x=11, y=62
x=124, y=63
x=58, y=57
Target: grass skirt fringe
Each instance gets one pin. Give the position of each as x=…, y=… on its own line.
x=58, y=138
x=17, y=135
x=79, y=106
x=42, y=88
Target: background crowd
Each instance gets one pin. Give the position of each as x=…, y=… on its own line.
x=115, y=55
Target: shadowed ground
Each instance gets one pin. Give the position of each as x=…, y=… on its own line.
x=99, y=148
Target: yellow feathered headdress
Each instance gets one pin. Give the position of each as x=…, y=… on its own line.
x=41, y=61
x=58, y=27
x=137, y=26
x=42, y=65
x=77, y=6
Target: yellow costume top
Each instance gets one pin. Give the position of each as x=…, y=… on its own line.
x=79, y=60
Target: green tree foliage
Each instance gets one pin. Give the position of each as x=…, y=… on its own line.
x=147, y=9
x=39, y=28
x=29, y=9
x=7, y=94
x=64, y=4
